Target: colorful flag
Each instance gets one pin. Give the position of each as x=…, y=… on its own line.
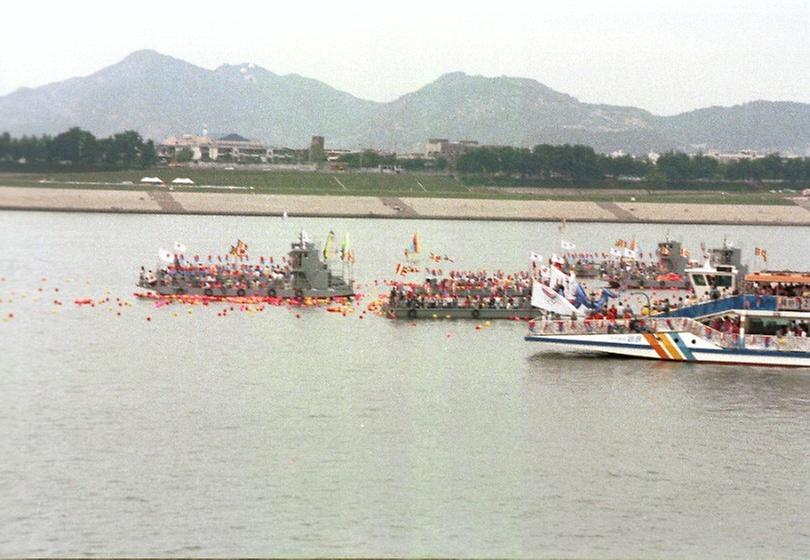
x=417, y=245
x=240, y=249
x=328, y=250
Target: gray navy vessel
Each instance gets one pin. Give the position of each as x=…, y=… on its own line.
x=305, y=274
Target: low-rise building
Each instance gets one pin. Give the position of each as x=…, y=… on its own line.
x=230, y=148
x=445, y=148
x=740, y=155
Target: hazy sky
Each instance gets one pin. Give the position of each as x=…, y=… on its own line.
x=664, y=57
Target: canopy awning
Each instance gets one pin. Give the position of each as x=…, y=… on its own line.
x=786, y=277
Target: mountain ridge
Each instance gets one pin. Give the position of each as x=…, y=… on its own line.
x=160, y=95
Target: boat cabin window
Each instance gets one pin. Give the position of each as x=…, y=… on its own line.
x=723, y=281
x=768, y=326
x=719, y=280
x=699, y=279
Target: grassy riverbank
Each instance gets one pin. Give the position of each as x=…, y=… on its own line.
x=377, y=185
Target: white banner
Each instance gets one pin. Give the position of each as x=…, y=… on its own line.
x=547, y=299
x=166, y=256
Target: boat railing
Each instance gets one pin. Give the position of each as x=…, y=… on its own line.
x=777, y=343
x=674, y=324
x=797, y=303
x=626, y=326
x=723, y=305
x=619, y=326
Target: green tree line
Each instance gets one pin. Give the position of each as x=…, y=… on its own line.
x=77, y=147
x=370, y=158
x=583, y=163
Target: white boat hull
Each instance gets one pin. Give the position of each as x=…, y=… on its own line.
x=670, y=346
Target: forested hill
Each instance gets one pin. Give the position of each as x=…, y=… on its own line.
x=158, y=95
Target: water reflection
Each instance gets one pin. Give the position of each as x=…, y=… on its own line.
x=272, y=434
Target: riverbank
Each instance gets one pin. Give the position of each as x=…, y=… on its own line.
x=156, y=201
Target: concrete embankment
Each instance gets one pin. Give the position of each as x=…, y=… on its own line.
x=166, y=202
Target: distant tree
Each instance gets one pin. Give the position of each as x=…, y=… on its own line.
x=127, y=147
x=739, y=170
x=542, y=156
x=703, y=167
x=627, y=166
x=655, y=177
x=75, y=145
x=5, y=146
x=148, y=154
x=771, y=166
x=796, y=169
x=479, y=160
x=186, y=155
x=674, y=165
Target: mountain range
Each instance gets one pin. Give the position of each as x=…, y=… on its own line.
x=158, y=96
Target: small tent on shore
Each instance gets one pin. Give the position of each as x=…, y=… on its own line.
x=151, y=181
x=182, y=181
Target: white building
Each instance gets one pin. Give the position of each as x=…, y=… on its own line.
x=203, y=148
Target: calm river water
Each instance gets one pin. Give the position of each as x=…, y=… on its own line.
x=323, y=435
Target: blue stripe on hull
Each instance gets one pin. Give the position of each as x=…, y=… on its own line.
x=687, y=353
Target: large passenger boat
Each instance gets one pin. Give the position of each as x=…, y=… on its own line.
x=751, y=329
x=487, y=298
x=306, y=272
x=667, y=272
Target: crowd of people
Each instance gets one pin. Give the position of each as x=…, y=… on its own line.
x=235, y=275
x=466, y=289
x=633, y=272
x=785, y=290
x=795, y=328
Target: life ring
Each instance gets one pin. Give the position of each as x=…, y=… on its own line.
x=412, y=314
x=271, y=292
x=476, y=313
x=240, y=292
x=208, y=291
x=299, y=293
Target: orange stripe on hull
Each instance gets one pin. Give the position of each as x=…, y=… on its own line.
x=670, y=348
x=655, y=346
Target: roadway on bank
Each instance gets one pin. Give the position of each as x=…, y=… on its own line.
x=166, y=202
